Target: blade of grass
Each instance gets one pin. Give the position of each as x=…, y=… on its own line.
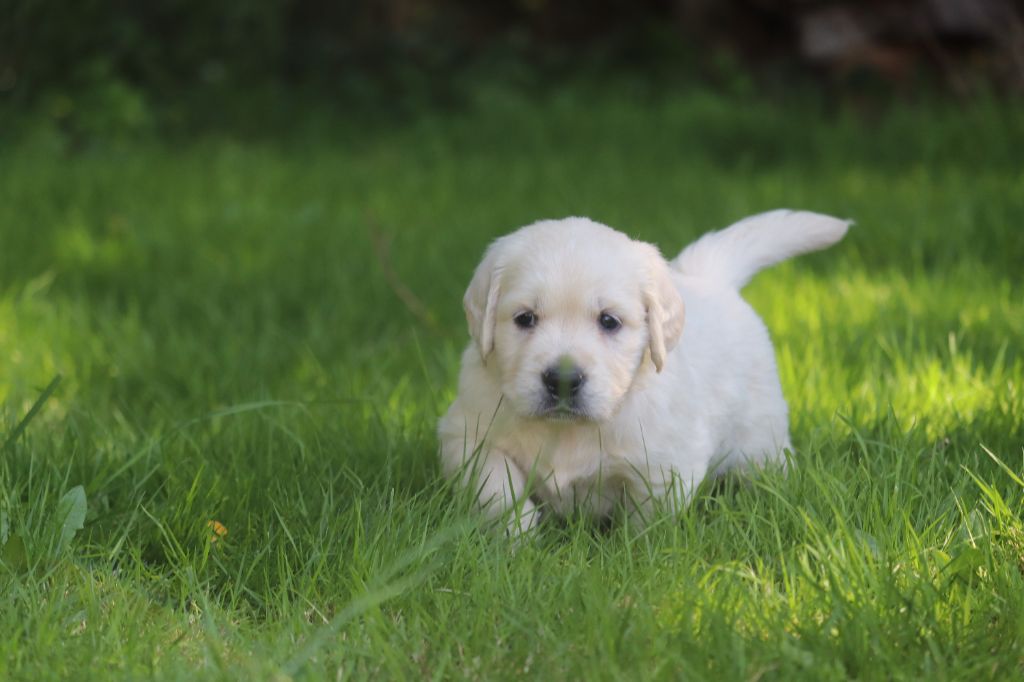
x=33, y=411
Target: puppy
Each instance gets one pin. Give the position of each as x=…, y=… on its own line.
x=600, y=374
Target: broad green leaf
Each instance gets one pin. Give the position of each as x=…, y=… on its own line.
x=13, y=554
x=71, y=511
x=966, y=562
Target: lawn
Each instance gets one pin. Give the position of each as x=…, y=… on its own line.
x=261, y=330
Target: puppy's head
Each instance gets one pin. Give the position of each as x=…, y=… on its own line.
x=569, y=311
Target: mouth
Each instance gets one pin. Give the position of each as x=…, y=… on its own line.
x=562, y=410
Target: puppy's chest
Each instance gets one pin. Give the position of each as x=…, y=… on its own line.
x=573, y=470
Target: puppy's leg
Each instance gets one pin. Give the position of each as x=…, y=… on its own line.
x=499, y=483
x=664, y=491
x=502, y=493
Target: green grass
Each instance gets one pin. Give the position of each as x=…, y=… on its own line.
x=231, y=349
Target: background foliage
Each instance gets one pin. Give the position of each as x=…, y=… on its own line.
x=101, y=65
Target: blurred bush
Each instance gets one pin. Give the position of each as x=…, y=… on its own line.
x=124, y=53
x=160, y=44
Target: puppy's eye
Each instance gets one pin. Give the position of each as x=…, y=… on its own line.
x=526, y=319
x=609, y=322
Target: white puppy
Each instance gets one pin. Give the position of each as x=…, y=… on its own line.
x=582, y=387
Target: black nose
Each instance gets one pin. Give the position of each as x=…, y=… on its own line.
x=562, y=382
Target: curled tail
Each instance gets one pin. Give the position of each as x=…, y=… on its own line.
x=735, y=254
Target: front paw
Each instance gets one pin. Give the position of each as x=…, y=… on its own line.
x=523, y=518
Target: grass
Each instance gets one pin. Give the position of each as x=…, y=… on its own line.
x=231, y=349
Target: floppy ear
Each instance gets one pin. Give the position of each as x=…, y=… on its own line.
x=665, y=310
x=481, y=301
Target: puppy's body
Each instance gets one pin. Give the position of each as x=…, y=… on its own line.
x=654, y=409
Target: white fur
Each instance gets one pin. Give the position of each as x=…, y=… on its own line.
x=665, y=402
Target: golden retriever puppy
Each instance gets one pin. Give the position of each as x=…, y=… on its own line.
x=600, y=373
